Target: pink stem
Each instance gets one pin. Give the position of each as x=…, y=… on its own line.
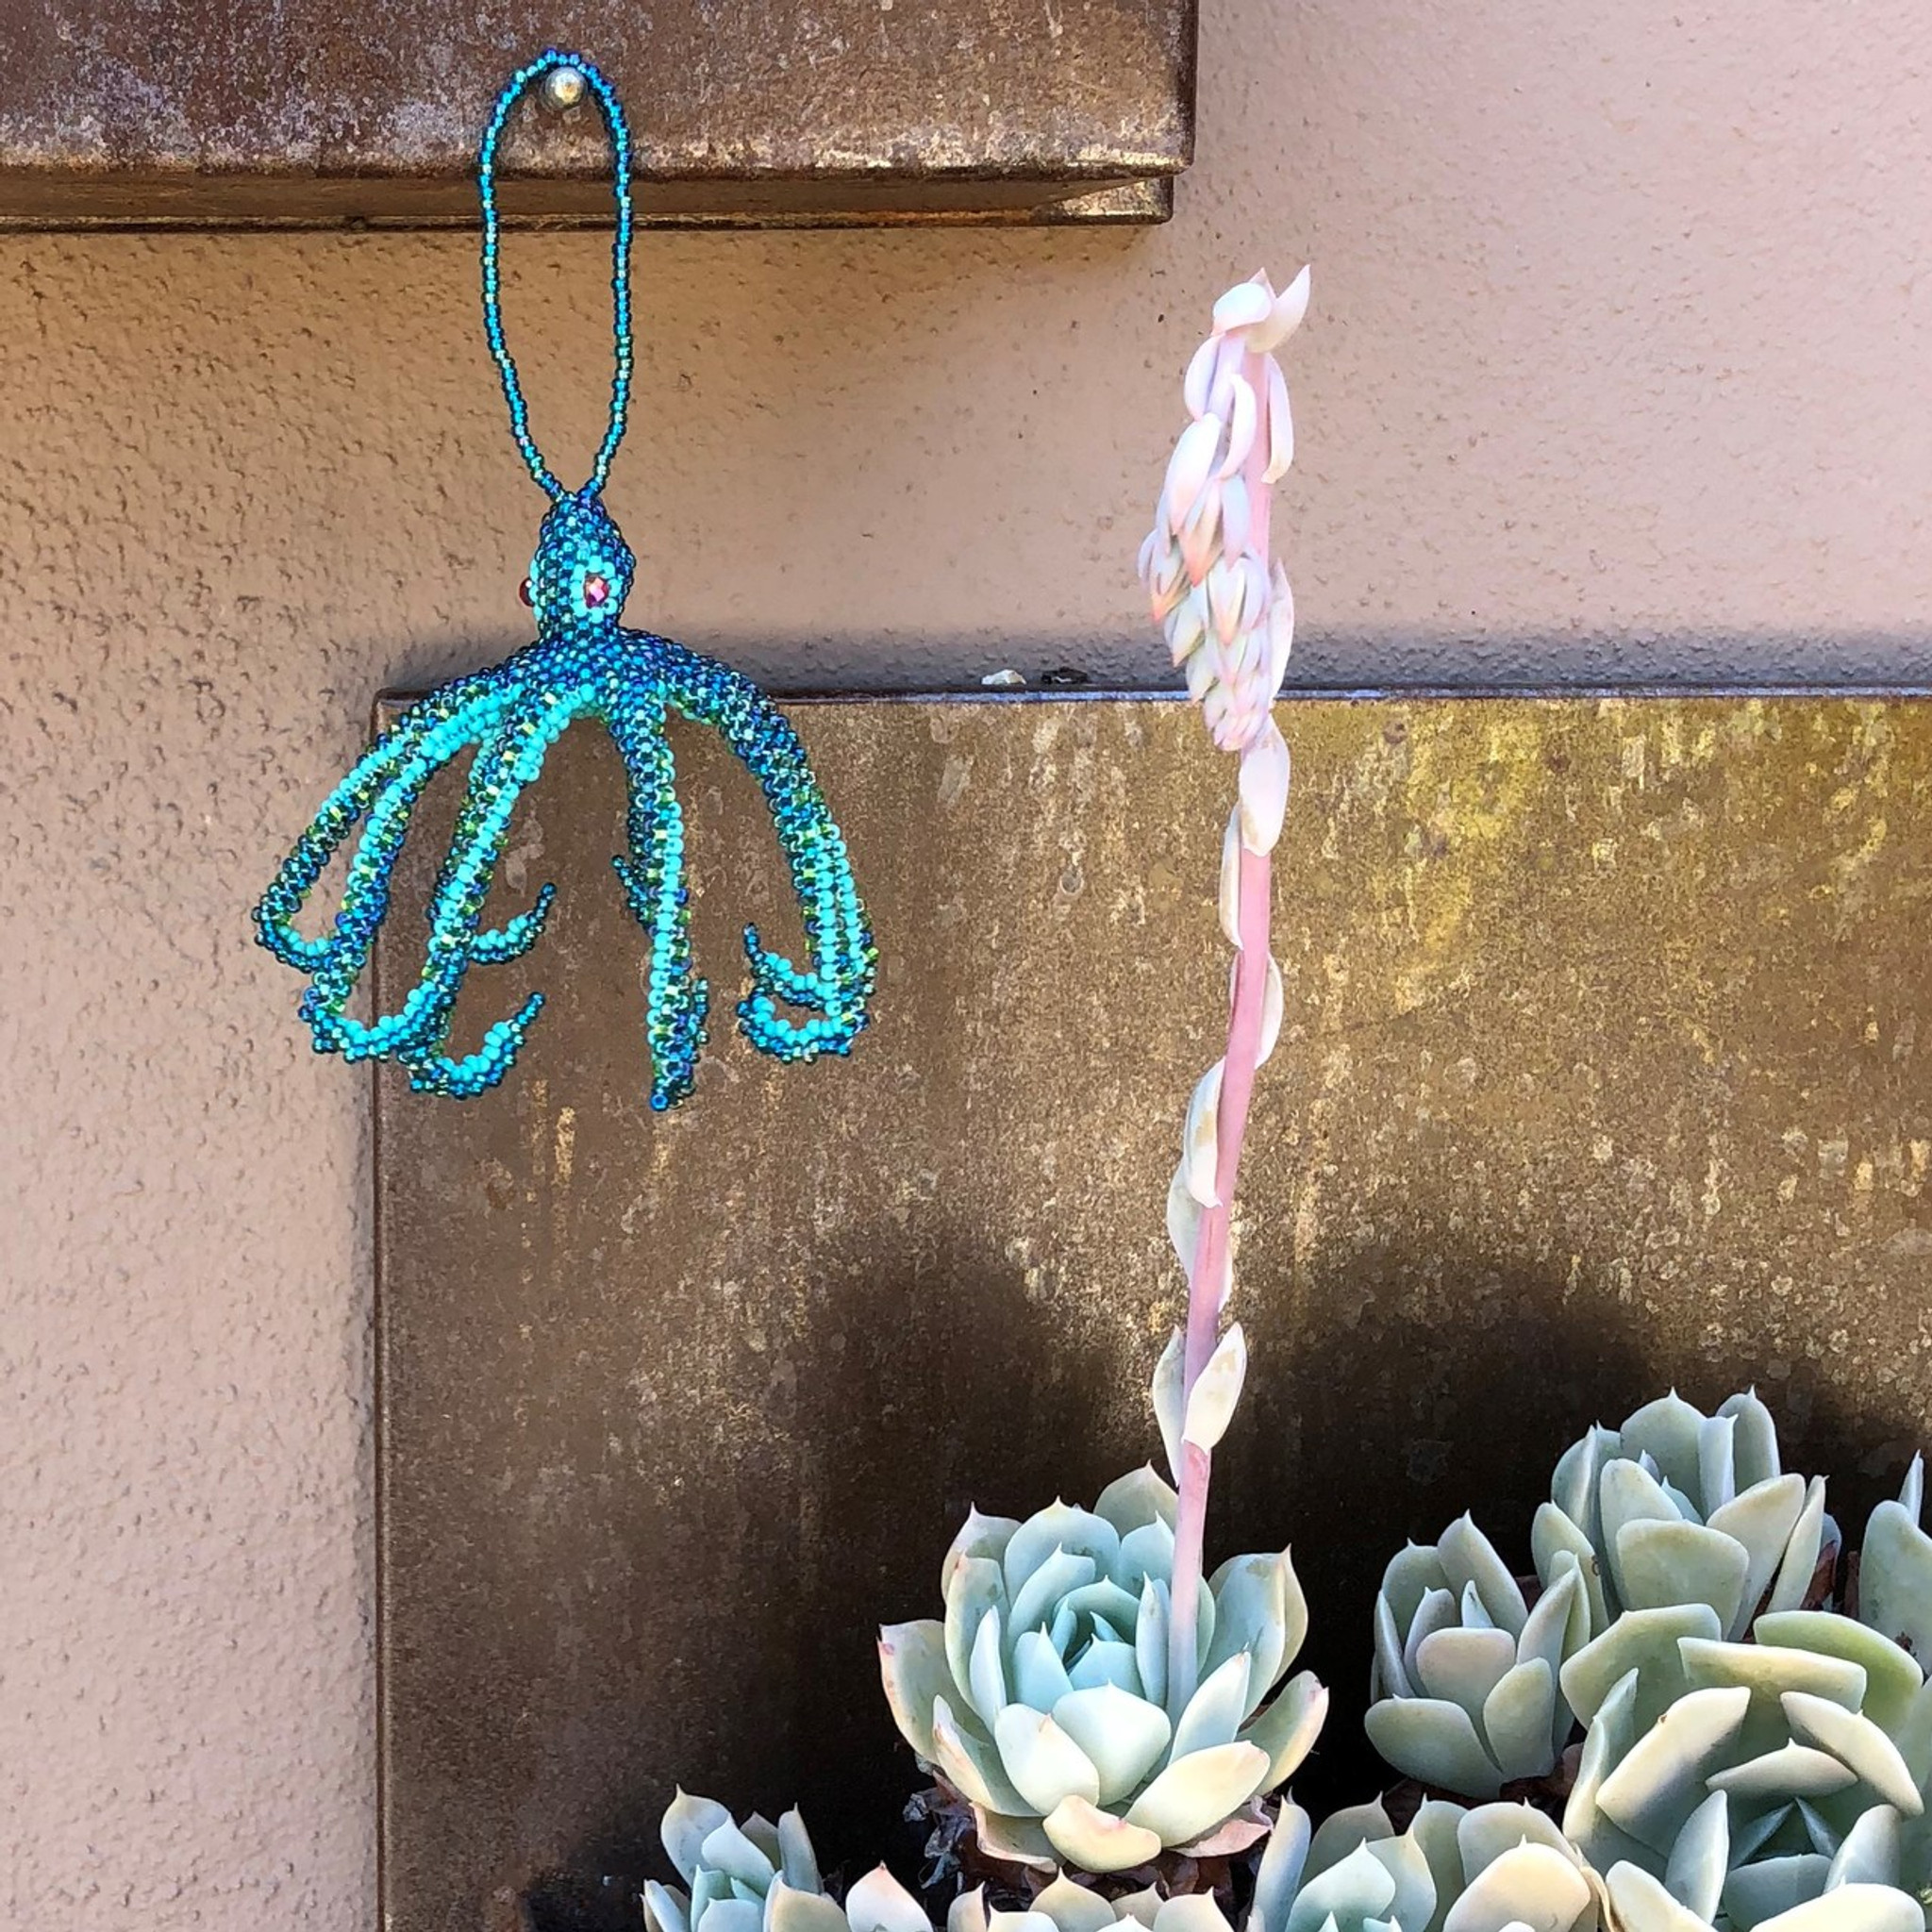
x=1204, y=1310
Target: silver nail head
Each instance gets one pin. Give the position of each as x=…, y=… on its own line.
x=564, y=87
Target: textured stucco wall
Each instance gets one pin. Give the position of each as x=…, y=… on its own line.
x=1618, y=367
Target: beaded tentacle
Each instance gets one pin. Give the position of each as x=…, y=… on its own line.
x=839, y=942
x=677, y=1001
x=582, y=664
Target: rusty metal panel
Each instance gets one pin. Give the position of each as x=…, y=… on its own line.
x=1601, y=1074
x=762, y=113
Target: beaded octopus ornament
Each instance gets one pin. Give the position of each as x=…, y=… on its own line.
x=583, y=663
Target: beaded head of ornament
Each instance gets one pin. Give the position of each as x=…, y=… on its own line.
x=583, y=663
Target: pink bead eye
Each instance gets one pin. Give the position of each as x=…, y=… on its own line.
x=524, y=591
x=596, y=591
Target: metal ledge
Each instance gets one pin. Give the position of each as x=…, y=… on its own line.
x=779, y=113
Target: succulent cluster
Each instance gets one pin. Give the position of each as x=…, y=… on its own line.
x=1749, y=1755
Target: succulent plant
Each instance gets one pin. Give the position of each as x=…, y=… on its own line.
x=1677, y=1507
x=1042, y=1697
x=1784, y=1787
x=1895, y=1569
x=1066, y=1907
x=756, y=1876
x=1466, y=1685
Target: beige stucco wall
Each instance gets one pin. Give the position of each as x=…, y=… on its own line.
x=1619, y=365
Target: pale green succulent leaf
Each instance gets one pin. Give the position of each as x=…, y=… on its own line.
x=1437, y=1611
x=1896, y=1577
x=1216, y=1390
x=1892, y=1678
x=688, y=1821
x=1694, y=1871
x=730, y=1850
x=968, y=1912
x=1106, y=1604
x=1124, y=1735
x=1042, y=1762
x=878, y=1903
x=1648, y=1642
x=973, y=1765
x=977, y=1585
x=1169, y=1395
x=1194, y=1794
x=1762, y=1520
x=1145, y=1552
x=1413, y=1574
x=1039, y=1675
x=1150, y=1640
x=1435, y=1741
x=1359, y=1886
x=1532, y=1885
x=1852, y=1908
x=1142, y=1908
x=1574, y=1485
x=1260, y=1615
x=1630, y=1494
x=1815, y=1529
x=1518, y=1721
x=1771, y=1889
x=1858, y=1743
x=1288, y=1728
x=1464, y=1666
x=666, y=1909
x=1659, y=1782
x=1192, y=1911
x=1096, y=1840
x=1768, y=1670
x=1470, y=1561
x=1389, y=1677
x=793, y=1908
x=763, y=1834
x=1016, y=1840
x=1060, y=1526
x=1340, y=1832
x=1107, y=1662
x=1644, y=1903
x=1072, y=1907
x=1283, y=1859
x=984, y=1537
x=986, y=1675
x=1553, y=1538
x=1135, y=1500
x=1217, y=1711
x=1661, y=1563
x=1043, y=1597
x=1670, y=1432
x=1868, y=1854
x=913, y=1667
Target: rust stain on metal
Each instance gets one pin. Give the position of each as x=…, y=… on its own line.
x=307, y=112
x=1601, y=1074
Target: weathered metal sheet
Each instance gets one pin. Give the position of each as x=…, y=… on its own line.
x=1602, y=1073
x=312, y=112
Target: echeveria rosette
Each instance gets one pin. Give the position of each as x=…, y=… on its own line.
x=1895, y=1569
x=756, y=1876
x=1042, y=1698
x=1679, y=1508
x=1467, y=1680
x=1783, y=1789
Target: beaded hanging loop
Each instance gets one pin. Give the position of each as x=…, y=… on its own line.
x=583, y=663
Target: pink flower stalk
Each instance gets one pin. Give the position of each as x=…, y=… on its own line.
x=1228, y=616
